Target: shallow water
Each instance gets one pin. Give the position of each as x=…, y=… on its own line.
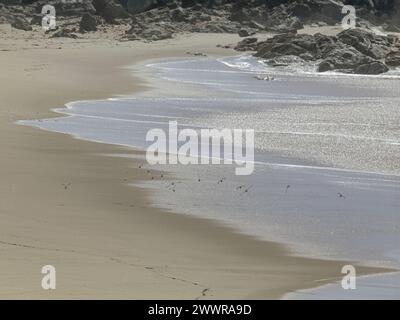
x=327, y=171
x=376, y=287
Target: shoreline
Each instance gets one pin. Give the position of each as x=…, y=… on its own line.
x=111, y=223
x=174, y=202
x=368, y=287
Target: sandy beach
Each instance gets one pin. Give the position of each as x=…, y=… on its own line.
x=65, y=204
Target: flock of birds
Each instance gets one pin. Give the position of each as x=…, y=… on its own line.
x=264, y=77
x=244, y=188
x=172, y=185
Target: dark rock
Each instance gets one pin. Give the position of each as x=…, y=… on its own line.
x=188, y=3
x=110, y=10
x=280, y=19
x=375, y=67
x=247, y=44
x=325, y=66
x=69, y=8
x=238, y=14
x=285, y=49
x=172, y=5
x=393, y=59
x=179, y=15
x=306, y=42
x=344, y=58
x=301, y=10
x=243, y=33
x=266, y=46
x=286, y=44
x=370, y=44
x=325, y=44
x=346, y=52
x=21, y=24
x=88, y=23
x=330, y=11
x=37, y=20
x=64, y=33
x=137, y=6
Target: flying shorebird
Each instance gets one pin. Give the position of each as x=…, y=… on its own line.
x=221, y=180
x=247, y=190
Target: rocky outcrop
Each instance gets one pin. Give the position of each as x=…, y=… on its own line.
x=160, y=19
x=31, y=13
x=15, y=16
x=162, y=22
x=345, y=59
x=353, y=50
x=370, y=44
x=287, y=44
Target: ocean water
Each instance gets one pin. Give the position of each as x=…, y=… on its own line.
x=376, y=287
x=327, y=161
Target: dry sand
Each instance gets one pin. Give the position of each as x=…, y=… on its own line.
x=100, y=234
